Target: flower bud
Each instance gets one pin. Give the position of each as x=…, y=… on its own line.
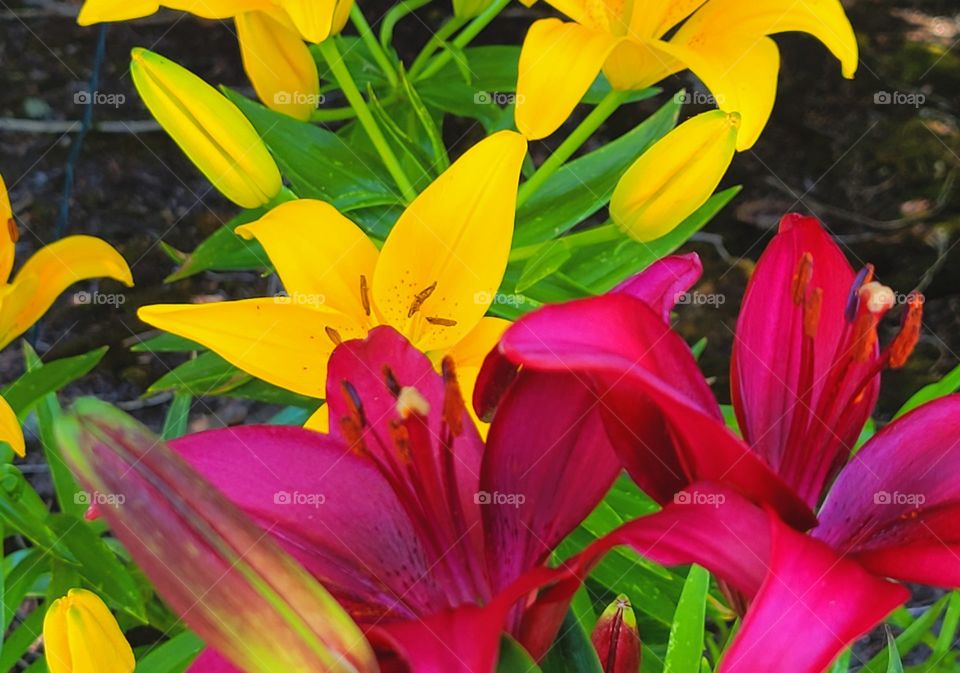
x=615, y=638
x=208, y=128
x=318, y=19
x=80, y=635
x=278, y=63
x=676, y=176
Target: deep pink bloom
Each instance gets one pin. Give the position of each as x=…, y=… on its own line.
x=806, y=373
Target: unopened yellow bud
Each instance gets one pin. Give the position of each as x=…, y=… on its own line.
x=80, y=635
x=675, y=176
x=208, y=128
x=278, y=63
x=318, y=19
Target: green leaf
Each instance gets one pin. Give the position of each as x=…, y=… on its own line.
x=26, y=391
x=549, y=260
x=206, y=374
x=166, y=343
x=172, y=656
x=948, y=630
x=945, y=386
x=99, y=566
x=894, y=664
x=911, y=637
x=223, y=250
x=514, y=658
x=175, y=424
x=320, y=164
x=583, y=186
x=685, y=648
x=26, y=513
x=19, y=580
x=572, y=651
x=16, y=645
x=842, y=664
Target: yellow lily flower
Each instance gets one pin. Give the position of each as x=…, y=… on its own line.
x=724, y=42
x=210, y=129
x=81, y=635
x=433, y=280
x=49, y=272
x=676, y=176
x=279, y=63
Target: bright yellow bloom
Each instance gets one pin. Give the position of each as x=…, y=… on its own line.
x=724, y=42
x=50, y=271
x=279, y=63
x=676, y=176
x=210, y=129
x=433, y=280
x=80, y=635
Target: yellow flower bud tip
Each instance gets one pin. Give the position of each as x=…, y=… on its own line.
x=81, y=635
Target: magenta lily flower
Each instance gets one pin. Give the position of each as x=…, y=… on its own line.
x=806, y=371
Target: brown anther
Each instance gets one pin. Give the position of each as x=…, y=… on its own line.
x=353, y=434
x=443, y=322
x=334, y=335
x=391, y=380
x=801, y=277
x=364, y=294
x=354, y=404
x=401, y=440
x=906, y=340
x=864, y=336
x=811, y=312
x=12, y=230
x=419, y=298
x=453, y=405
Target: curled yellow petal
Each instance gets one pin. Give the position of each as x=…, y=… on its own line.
x=274, y=339
x=81, y=635
x=218, y=9
x=9, y=234
x=558, y=63
x=99, y=11
x=278, y=63
x=313, y=18
x=675, y=176
x=322, y=257
x=10, y=430
x=208, y=128
x=49, y=272
x=447, y=253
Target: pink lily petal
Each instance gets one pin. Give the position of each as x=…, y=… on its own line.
x=210, y=661
x=783, y=406
x=544, y=471
x=301, y=486
x=811, y=606
x=660, y=413
x=896, y=505
x=663, y=283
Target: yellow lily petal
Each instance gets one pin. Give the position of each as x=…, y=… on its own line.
x=637, y=64
x=313, y=18
x=468, y=355
x=98, y=11
x=50, y=271
x=340, y=16
x=218, y=9
x=10, y=430
x=446, y=255
x=558, y=63
x=322, y=257
x=281, y=342
x=824, y=19
x=676, y=176
x=82, y=636
x=279, y=64
x=741, y=74
x=9, y=234
x=652, y=18
x=208, y=128
x=319, y=420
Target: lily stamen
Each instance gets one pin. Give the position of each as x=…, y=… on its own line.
x=442, y=322
x=364, y=294
x=419, y=298
x=334, y=335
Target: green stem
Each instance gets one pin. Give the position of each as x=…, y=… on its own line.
x=605, y=233
x=333, y=114
x=369, y=39
x=573, y=142
x=328, y=49
x=441, y=36
x=464, y=38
